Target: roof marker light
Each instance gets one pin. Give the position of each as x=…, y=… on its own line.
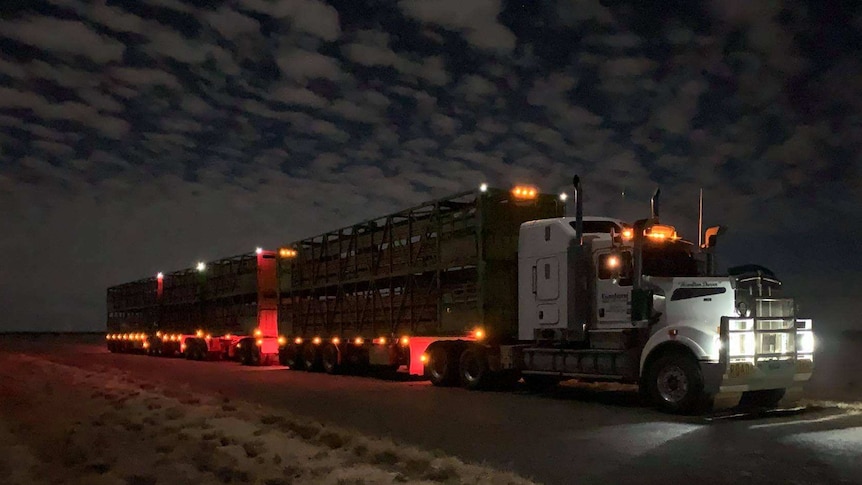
x=483, y=188
x=160, y=275
x=258, y=250
x=564, y=196
x=524, y=192
x=201, y=266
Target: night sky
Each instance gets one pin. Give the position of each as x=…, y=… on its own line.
x=145, y=135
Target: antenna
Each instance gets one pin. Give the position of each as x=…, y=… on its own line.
x=700, y=220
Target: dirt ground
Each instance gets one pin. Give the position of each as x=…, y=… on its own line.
x=71, y=412
x=62, y=424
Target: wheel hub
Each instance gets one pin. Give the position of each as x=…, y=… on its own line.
x=672, y=384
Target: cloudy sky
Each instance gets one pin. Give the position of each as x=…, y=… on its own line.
x=142, y=136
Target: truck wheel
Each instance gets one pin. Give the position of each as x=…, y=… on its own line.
x=329, y=359
x=311, y=358
x=675, y=383
x=473, y=366
x=442, y=366
x=293, y=357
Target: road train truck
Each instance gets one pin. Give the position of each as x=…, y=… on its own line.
x=490, y=286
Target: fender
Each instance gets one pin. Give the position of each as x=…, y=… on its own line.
x=694, y=339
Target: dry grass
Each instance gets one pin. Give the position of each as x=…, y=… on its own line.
x=154, y=437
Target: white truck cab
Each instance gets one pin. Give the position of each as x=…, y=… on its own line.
x=606, y=300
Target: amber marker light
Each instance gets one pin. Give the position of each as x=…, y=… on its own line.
x=524, y=192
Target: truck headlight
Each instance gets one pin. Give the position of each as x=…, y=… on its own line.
x=741, y=345
x=804, y=339
x=805, y=342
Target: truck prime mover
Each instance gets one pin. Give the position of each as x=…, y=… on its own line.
x=482, y=289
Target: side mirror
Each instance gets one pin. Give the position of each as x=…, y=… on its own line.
x=642, y=308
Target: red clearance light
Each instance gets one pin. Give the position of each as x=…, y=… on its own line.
x=336, y=340
x=316, y=340
x=405, y=340
x=358, y=341
x=298, y=340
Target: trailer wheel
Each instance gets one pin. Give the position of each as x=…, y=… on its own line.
x=311, y=357
x=442, y=366
x=473, y=366
x=293, y=357
x=330, y=359
x=675, y=383
x=249, y=352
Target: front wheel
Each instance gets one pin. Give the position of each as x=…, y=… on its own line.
x=674, y=384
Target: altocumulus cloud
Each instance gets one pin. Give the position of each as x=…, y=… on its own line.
x=142, y=136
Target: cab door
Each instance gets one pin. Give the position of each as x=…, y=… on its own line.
x=546, y=284
x=613, y=296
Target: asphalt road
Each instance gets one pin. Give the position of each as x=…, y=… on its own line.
x=577, y=434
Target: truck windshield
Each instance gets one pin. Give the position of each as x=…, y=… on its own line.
x=669, y=259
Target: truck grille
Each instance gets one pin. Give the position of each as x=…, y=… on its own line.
x=774, y=307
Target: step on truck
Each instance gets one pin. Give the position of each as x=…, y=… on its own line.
x=490, y=286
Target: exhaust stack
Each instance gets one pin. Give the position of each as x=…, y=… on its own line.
x=579, y=209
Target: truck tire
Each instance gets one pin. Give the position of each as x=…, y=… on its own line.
x=292, y=357
x=674, y=383
x=329, y=359
x=473, y=369
x=442, y=366
x=311, y=357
